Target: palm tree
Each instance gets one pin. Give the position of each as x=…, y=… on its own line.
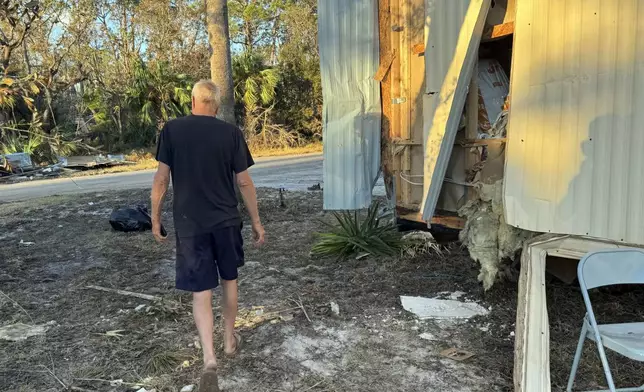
x=220, y=60
x=255, y=84
x=158, y=94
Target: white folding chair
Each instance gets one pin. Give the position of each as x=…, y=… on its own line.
x=607, y=268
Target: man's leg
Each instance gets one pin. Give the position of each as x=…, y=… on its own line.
x=230, y=314
x=202, y=311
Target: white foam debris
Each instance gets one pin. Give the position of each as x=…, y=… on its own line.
x=427, y=336
x=456, y=295
x=335, y=308
x=20, y=331
x=432, y=308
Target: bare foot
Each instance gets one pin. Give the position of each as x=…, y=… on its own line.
x=233, y=347
x=210, y=364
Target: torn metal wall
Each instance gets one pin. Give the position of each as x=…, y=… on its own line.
x=574, y=157
x=448, y=110
x=349, y=58
x=444, y=20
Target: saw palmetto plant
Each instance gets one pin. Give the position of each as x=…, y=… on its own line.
x=356, y=233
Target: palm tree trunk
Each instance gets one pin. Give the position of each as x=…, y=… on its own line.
x=220, y=60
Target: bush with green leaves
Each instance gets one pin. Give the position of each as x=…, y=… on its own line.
x=355, y=234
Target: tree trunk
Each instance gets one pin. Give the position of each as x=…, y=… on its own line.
x=220, y=59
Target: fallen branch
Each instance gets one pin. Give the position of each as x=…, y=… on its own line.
x=300, y=304
x=78, y=389
x=112, y=382
x=51, y=373
x=126, y=293
x=313, y=386
x=18, y=306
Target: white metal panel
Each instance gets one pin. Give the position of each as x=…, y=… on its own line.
x=349, y=58
x=443, y=127
x=444, y=21
x=443, y=25
x=575, y=152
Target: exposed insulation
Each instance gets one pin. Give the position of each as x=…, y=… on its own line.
x=488, y=238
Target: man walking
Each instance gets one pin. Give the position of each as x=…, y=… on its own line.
x=205, y=156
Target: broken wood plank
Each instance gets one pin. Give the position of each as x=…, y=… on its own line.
x=498, y=31
x=126, y=293
x=457, y=354
x=418, y=49
x=385, y=65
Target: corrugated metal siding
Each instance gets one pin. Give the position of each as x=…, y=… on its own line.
x=349, y=57
x=443, y=126
x=444, y=21
x=576, y=150
x=443, y=25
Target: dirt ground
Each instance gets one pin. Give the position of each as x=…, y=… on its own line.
x=372, y=345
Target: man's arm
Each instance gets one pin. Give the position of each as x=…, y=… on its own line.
x=159, y=190
x=249, y=194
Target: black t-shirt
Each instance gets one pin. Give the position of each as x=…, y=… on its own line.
x=203, y=153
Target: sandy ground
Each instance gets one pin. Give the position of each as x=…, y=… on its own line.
x=373, y=344
x=94, y=337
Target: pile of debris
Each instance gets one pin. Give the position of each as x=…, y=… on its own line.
x=20, y=167
x=94, y=161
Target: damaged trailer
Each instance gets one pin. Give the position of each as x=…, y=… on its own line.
x=515, y=121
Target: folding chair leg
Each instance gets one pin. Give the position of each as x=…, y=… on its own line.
x=602, y=355
x=578, y=353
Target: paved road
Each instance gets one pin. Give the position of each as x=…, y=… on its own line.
x=294, y=173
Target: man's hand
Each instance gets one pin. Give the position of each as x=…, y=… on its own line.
x=258, y=234
x=159, y=189
x=157, y=232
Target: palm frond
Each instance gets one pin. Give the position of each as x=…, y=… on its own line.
x=354, y=234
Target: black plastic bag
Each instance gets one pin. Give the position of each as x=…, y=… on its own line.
x=132, y=219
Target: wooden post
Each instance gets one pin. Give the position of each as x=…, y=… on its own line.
x=472, y=125
x=387, y=57
x=394, y=92
x=404, y=99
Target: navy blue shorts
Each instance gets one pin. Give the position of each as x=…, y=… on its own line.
x=202, y=259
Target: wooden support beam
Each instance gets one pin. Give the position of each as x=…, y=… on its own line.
x=404, y=142
x=449, y=221
x=387, y=161
x=479, y=142
x=472, y=155
x=405, y=36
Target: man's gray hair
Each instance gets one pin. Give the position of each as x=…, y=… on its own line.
x=206, y=91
